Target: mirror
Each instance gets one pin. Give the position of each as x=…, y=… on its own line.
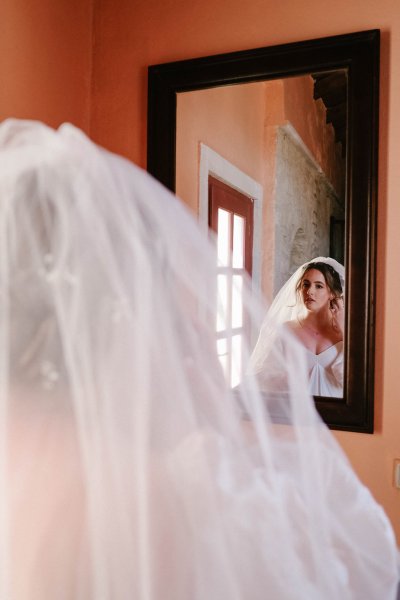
x=346, y=65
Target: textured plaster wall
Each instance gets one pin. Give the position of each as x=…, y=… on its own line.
x=305, y=201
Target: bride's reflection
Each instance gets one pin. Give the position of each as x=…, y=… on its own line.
x=311, y=306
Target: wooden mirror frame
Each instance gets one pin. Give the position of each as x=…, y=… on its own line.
x=359, y=54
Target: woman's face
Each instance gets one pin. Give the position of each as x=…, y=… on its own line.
x=314, y=290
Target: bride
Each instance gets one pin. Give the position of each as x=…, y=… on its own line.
x=126, y=469
x=311, y=306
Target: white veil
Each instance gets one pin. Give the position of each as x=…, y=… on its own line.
x=127, y=470
x=285, y=307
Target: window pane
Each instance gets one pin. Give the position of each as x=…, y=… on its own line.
x=224, y=219
x=222, y=346
x=222, y=321
x=237, y=301
x=222, y=351
x=238, y=241
x=236, y=371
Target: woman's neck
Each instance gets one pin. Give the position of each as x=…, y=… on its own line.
x=317, y=323
x=316, y=333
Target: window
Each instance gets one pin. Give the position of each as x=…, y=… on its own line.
x=231, y=217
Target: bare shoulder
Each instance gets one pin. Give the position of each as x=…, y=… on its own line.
x=292, y=325
x=294, y=328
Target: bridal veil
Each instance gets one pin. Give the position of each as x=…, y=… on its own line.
x=129, y=469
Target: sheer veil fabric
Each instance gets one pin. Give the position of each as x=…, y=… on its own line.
x=127, y=467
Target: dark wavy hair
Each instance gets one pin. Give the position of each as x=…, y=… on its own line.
x=330, y=274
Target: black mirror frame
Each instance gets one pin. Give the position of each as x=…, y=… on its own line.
x=359, y=54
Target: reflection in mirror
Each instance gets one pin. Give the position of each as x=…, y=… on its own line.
x=310, y=305
x=325, y=204
x=271, y=156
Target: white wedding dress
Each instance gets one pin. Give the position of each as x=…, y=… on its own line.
x=325, y=371
x=326, y=368
x=129, y=470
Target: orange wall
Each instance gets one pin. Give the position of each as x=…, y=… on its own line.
x=132, y=35
x=230, y=120
x=45, y=60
